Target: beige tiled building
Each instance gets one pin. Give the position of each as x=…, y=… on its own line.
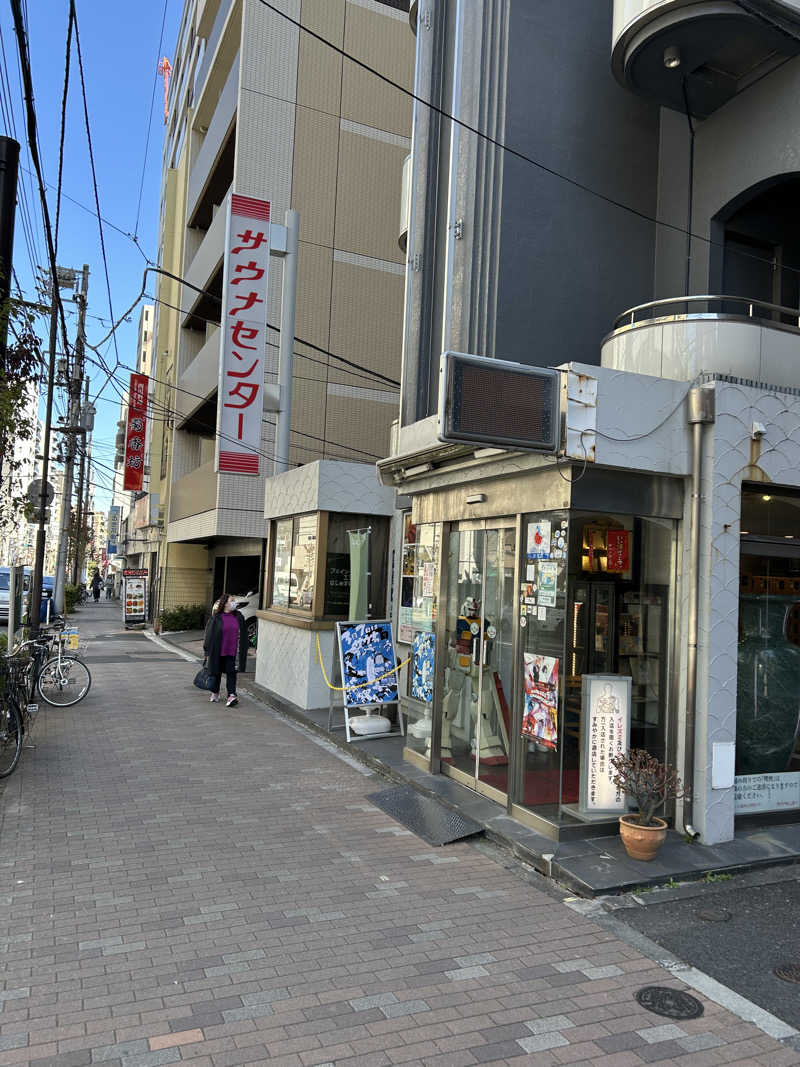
x=261, y=107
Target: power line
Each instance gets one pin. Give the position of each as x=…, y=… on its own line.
x=517, y=153
x=25, y=70
x=168, y=414
x=93, y=213
x=205, y=292
x=270, y=344
x=149, y=125
x=63, y=125
x=74, y=18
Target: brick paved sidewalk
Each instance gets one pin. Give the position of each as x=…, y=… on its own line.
x=183, y=882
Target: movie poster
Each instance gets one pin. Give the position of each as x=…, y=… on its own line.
x=540, y=718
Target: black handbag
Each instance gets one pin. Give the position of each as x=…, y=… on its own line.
x=204, y=680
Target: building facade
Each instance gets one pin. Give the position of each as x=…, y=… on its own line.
x=258, y=109
x=636, y=584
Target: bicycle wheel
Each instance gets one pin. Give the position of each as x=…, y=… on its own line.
x=10, y=738
x=63, y=684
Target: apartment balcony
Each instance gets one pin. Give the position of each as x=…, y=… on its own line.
x=717, y=48
x=207, y=10
x=206, y=263
x=683, y=337
x=212, y=172
x=194, y=493
x=198, y=384
x=213, y=35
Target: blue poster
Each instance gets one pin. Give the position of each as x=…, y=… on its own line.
x=367, y=653
x=422, y=667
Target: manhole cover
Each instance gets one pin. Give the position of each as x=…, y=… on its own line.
x=672, y=1003
x=788, y=972
x=713, y=915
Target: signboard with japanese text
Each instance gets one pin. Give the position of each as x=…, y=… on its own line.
x=134, y=596
x=244, y=324
x=114, y=516
x=605, y=732
x=766, y=792
x=135, y=433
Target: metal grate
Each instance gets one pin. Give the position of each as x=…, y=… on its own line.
x=425, y=817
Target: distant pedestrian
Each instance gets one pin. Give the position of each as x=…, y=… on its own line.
x=109, y=585
x=96, y=583
x=225, y=646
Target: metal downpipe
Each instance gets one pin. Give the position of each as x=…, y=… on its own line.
x=691, y=657
x=701, y=411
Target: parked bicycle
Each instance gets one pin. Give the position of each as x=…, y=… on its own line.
x=39, y=666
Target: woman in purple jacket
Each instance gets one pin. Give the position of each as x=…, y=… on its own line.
x=225, y=646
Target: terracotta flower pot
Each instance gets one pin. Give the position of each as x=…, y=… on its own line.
x=642, y=842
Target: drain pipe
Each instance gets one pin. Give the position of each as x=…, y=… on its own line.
x=701, y=412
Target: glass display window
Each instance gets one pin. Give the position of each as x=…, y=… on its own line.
x=767, y=768
x=417, y=622
x=311, y=564
x=595, y=598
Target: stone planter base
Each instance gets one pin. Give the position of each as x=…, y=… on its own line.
x=642, y=842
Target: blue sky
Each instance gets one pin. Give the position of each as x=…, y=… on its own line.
x=120, y=49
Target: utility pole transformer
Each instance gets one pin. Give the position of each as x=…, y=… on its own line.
x=73, y=428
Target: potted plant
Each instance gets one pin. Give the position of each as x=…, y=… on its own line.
x=649, y=783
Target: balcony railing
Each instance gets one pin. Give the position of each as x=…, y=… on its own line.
x=681, y=337
x=727, y=306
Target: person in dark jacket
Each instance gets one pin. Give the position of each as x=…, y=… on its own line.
x=225, y=646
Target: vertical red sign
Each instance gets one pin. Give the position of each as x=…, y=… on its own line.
x=618, y=555
x=135, y=432
x=244, y=336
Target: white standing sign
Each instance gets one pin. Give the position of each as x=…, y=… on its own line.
x=606, y=730
x=244, y=326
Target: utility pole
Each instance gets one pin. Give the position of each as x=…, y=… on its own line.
x=72, y=429
x=9, y=160
x=81, y=512
x=38, y=566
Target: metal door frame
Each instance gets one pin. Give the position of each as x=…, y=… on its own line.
x=501, y=523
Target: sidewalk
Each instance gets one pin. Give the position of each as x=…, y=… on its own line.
x=184, y=882
x=590, y=866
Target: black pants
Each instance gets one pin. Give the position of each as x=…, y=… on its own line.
x=228, y=665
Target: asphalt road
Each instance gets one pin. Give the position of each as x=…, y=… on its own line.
x=737, y=934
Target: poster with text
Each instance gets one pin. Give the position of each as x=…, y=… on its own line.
x=538, y=540
x=606, y=704
x=540, y=716
x=548, y=584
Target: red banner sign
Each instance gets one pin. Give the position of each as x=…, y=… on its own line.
x=244, y=325
x=135, y=434
x=618, y=556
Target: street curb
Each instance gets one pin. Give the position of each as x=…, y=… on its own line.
x=592, y=908
x=711, y=988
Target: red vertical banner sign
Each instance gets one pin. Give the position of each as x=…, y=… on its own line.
x=618, y=555
x=135, y=434
x=244, y=324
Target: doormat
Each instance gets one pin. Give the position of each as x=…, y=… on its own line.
x=424, y=816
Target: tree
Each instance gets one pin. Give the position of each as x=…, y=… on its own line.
x=20, y=371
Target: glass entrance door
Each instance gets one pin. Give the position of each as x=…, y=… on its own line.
x=476, y=702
